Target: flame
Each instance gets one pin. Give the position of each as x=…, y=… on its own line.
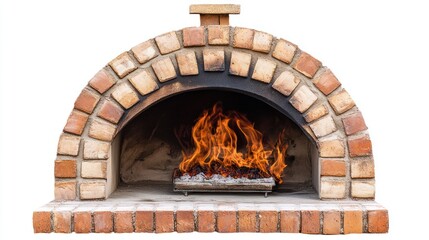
x=216, y=150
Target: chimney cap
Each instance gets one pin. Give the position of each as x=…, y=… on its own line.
x=214, y=9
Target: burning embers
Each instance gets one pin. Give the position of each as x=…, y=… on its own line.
x=218, y=156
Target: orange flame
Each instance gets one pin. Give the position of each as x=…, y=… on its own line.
x=216, y=148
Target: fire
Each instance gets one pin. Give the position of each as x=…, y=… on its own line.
x=216, y=148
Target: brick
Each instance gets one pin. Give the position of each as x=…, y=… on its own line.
x=62, y=222
x=103, y=222
x=164, y=221
x=262, y=42
x=110, y=111
x=86, y=101
x=360, y=146
x=303, y=99
x=144, y=82
x=144, y=221
x=206, y=221
x=289, y=221
x=331, y=148
x=65, y=168
x=316, y=113
x=144, y=52
x=92, y=190
x=101, y=130
x=363, y=189
x=362, y=168
x=82, y=222
x=246, y=221
x=335, y=168
x=167, y=43
x=243, y=38
x=76, y=122
x=286, y=83
x=185, y=221
x=65, y=190
x=284, y=51
x=209, y=19
x=94, y=169
x=218, y=35
x=42, y=222
x=354, y=124
x=268, y=221
x=332, y=189
x=214, y=60
x=214, y=9
x=93, y=149
x=125, y=95
x=310, y=221
x=341, y=102
x=353, y=221
x=240, y=63
x=68, y=145
x=378, y=221
x=102, y=81
x=264, y=70
x=331, y=222
x=307, y=65
x=123, y=64
x=323, y=127
x=226, y=221
x=193, y=36
x=187, y=63
x=326, y=82
x=164, y=69
x=123, y=222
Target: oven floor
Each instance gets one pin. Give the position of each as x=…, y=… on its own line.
x=162, y=192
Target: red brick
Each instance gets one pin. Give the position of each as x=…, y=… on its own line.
x=82, y=222
x=102, y=81
x=123, y=222
x=103, y=222
x=164, y=221
x=268, y=221
x=76, y=122
x=185, y=221
x=360, y=146
x=327, y=82
x=42, y=222
x=86, y=101
x=206, y=221
x=243, y=38
x=111, y=112
x=209, y=19
x=62, y=222
x=289, y=221
x=193, y=36
x=354, y=123
x=218, y=35
x=310, y=221
x=246, y=221
x=353, y=221
x=378, y=221
x=226, y=221
x=65, y=168
x=335, y=168
x=331, y=222
x=307, y=65
x=65, y=190
x=144, y=221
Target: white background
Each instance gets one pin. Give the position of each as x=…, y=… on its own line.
x=50, y=49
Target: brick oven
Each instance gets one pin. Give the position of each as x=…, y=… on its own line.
x=214, y=128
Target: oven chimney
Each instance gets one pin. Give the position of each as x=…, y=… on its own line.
x=214, y=14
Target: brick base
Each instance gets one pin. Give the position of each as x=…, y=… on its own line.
x=331, y=218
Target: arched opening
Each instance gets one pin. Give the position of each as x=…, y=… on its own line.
x=151, y=145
